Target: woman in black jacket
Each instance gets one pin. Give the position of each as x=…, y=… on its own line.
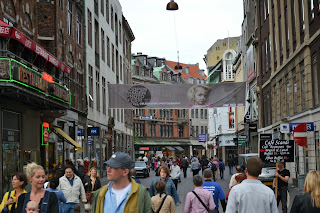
x=310, y=200
x=91, y=181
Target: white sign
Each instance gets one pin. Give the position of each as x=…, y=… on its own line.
x=284, y=128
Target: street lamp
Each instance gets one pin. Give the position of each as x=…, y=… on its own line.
x=172, y=5
x=178, y=66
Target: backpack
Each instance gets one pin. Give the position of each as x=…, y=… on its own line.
x=212, y=166
x=221, y=166
x=44, y=205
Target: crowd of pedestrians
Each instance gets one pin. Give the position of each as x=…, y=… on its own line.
x=125, y=193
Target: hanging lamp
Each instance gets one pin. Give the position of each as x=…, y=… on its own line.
x=172, y=5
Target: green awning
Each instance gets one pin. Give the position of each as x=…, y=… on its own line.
x=162, y=143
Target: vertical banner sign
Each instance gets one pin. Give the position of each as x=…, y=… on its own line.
x=45, y=133
x=273, y=151
x=242, y=139
x=231, y=120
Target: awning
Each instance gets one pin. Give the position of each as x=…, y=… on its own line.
x=179, y=148
x=198, y=147
x=69, y=139
x=11, y=32
x=170, y=148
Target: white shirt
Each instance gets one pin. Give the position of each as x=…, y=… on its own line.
x=120, y=192
x=233, y=180
x=145, y=159
x=175, y=172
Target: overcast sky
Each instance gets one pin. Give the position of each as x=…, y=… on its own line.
x=192, y=29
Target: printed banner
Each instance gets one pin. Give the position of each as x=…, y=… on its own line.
x=182, y=96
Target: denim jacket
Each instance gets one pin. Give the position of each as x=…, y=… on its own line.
x=170, y=189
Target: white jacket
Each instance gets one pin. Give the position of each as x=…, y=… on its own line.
x=72, y=193
x=175, y=172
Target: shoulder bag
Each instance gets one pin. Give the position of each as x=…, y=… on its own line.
x=204, y=205
x=161, y=204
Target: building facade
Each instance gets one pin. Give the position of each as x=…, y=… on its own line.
x=108, y=47
x=288, y=74
x=42, y=84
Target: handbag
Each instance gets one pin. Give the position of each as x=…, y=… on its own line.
x=88, y=196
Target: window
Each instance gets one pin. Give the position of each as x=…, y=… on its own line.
x=192, y=113
x=112, y=21
x=315, y=77
x=89, y=28
x=293, y=12
x=287, y=29
x=112, y=58
x=197, y=113
x=201, y=113
x=275, y=106
x=201, y=129
x=90, y=86
x=116, y=28
x=197, y=131
x=98, y=90
x=69, y=21
x=79, y=36
x=302, y=16
x=303, y=85
x=107, y=11
x=152, y=130
x=280, y=97
x=275, y=44
x=104, y=100
x=295, y=90
x=181, y=131
x=205, y=114
x=108, y=51
x=61, y=4
x=287, y=95
x=280, y=37
x=121, y=64
x=102, y=6
x=102, y=46
x=120, y=32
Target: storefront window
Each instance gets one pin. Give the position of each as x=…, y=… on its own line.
x=10, y=147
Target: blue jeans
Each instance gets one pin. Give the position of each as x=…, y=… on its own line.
x=68, y=207
x=231, y=170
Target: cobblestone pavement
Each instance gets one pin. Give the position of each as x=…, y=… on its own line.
x=186, y=186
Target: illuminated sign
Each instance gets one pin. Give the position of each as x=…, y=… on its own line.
x=45, y=133
x=14, y=71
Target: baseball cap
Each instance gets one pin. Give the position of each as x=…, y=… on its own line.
x=119, y=159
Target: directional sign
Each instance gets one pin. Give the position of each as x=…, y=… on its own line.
x=310, y=126
x=202, y=138
x=93, y=131
x=90, y=141
x=242, y=140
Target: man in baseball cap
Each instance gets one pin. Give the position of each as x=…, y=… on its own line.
x=122, y=194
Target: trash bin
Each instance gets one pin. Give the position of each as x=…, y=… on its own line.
x=301, y=179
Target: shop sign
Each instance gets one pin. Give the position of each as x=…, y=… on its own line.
x=93, y=131
x=45, y=133
x=310, y=126
x=277, y=151
x=202, y=138
x=242, y=140
x=144, y=148
x=80, y=132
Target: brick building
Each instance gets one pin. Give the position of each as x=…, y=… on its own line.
x=41, y=82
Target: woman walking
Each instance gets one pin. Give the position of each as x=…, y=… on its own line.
x=310, y=200
x=161, y=202
x=48, y=201
x=10, y=199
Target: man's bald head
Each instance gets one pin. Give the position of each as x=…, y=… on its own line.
x=239, y=169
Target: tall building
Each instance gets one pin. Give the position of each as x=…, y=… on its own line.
x=222, y=128
x=42, y=84
x=288, y=74
x=108, y=61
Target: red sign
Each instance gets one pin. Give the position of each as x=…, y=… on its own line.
x=45, y=133
x=300, y=135
x=144, y=148
x=216, y=147
x=9, y=31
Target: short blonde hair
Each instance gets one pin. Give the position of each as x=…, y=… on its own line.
x=32, y=168
x=312, y=187
x=89, y=173
x=192, y=91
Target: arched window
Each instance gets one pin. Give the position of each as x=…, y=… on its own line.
x=27, y=22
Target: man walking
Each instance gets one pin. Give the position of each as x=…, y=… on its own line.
x=231, y=165
x=72, y=188
x=283, y=179
x=175, y=173
x=233, y=177
x=200, y=199
x=184, y=165
x=215, y=189
x=252, y=195
x=122, y=194
x=221, y=168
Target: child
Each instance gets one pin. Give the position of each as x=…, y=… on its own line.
x=54, y=183
x=32, y=206
x=199, y=95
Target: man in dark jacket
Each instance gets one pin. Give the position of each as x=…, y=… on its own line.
x=184, y=165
